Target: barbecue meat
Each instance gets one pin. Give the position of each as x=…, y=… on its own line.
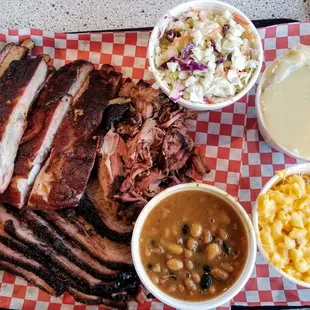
x=19, y=86
x=146, y=149
x=63, y=179
x=114, y=255
x=33, y=250
x=15, y=254
x=102, y=213
x=28, y=276
x=43, y=122
x=9, y=53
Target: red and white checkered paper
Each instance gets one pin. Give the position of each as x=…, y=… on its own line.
x=240, y=161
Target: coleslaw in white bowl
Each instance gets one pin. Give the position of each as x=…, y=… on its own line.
x=205, y=54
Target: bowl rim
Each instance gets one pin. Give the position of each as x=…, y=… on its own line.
x=181, y=8
x=295, y=169
x=244, y=275
x=262, y=127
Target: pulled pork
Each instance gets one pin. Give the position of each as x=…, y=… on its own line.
x=148, y=147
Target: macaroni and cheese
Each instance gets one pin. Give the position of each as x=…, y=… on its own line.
x=284, y=225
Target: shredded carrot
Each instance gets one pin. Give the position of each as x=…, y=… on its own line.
x=216, y=30
x=238, y=19
x=211, y=101
x=193, y=10
x=249, y=35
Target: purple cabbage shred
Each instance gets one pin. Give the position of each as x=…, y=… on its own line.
x=220, y=60
x=214, y=45
x=185, y=65
x=187, y=50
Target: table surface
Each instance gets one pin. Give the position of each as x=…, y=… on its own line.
x=84, y=15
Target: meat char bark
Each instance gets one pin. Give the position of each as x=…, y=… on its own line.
x=33, y=252
x=102, y=212
x=63, y=179
x=9, y=53
x=19, y=86
x=28, y=276
x=72, y=251
x=116, y=256
x=44, y=120
x=14, y=253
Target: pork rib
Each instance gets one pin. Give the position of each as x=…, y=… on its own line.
x=19, y=86
x=9, y=53
x=43, y=122
x=62, y=180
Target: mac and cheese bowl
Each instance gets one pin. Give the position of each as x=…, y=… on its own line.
x=281, y=218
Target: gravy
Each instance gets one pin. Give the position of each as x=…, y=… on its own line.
x=285, y=101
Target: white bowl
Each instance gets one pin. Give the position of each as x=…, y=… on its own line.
x=262, y=125
x=295, y=169
x=217, y=7
x=177, y=303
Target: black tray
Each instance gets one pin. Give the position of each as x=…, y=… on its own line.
x=258, y=23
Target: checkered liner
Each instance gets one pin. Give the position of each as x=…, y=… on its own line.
x=240, y=161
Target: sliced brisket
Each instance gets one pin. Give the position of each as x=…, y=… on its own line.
x=33, y=252
x=28, y=276
x=19, y=86
x=116, y=256
x=100, y=210
x=63, y=179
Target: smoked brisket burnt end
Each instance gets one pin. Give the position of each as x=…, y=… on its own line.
x=63, y=179
x=43, y=122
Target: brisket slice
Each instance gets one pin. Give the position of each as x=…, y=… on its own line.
x=72, y=251
x=28, y=276
x=96, y=300
x=9, y=53
x=43, y=252
x=33, y=253
x=19, y=86
x=101, y=212
x=44, y=120
x=18, y=254
x=116, y=256
x=63, y=179
x=42, y=284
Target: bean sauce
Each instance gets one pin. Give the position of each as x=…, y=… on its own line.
x=196, y=252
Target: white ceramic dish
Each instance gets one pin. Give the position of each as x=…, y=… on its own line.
x=217, y=7
x=211, y=303
x=295, y=169
x=262, y=125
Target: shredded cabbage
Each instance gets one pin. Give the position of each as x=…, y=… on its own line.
x=203, y=55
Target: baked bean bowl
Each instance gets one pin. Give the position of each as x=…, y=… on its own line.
x=194, y=246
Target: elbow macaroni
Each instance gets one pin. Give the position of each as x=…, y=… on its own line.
x=284, y=224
